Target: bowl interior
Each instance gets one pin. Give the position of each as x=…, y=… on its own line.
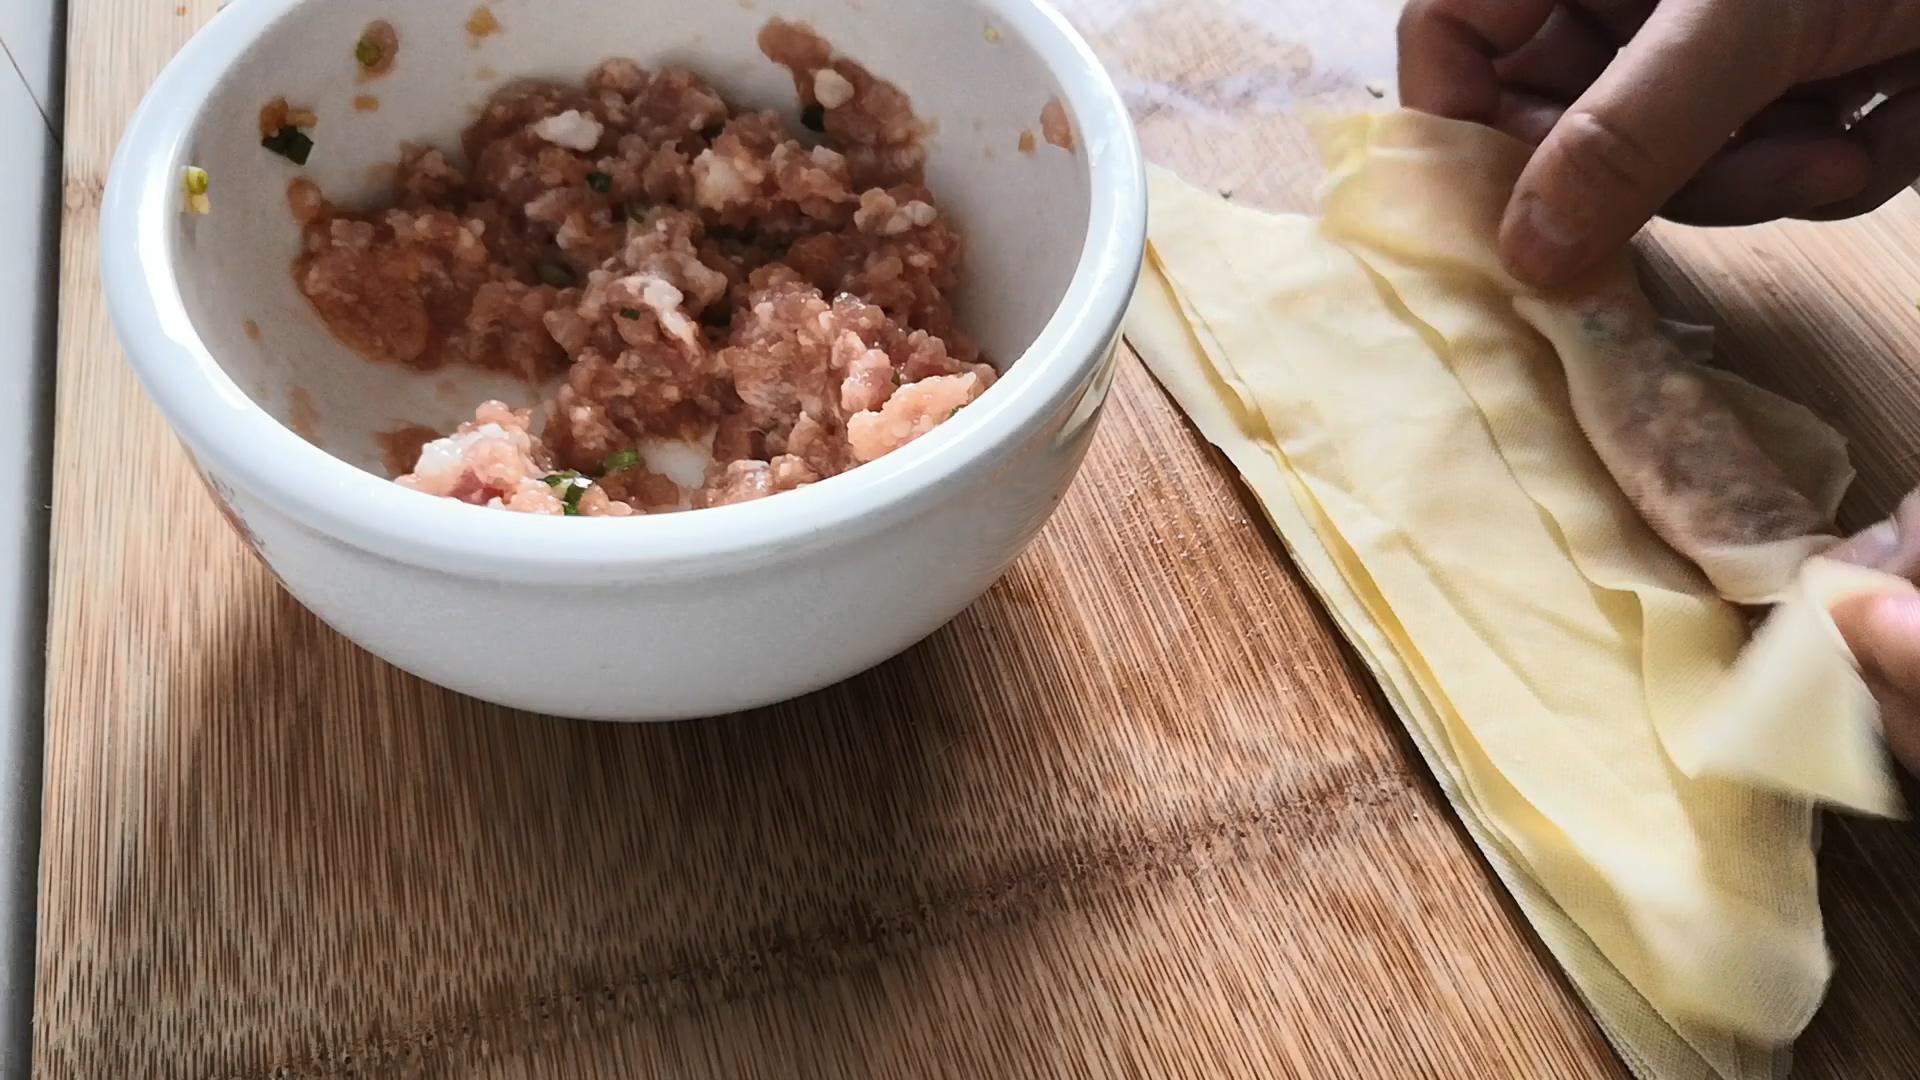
x=1023, y=215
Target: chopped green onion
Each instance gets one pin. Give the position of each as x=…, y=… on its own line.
x=367, y=53
x=193, y=185
x=620, y=462
x=571, y=486
x=600, y=182
x=290, y=143
x=637, y=211
x=814, y=117
x=556, y=274
x=629, y=313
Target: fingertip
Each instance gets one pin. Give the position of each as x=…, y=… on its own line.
x=1782, y=175
x=1448, y=49
x=1884, y=634
x=1895, y=622
x=1587, y=189
x=1834, y=170
x=1540, y=245
x=1889, y=139
x=1444, y=68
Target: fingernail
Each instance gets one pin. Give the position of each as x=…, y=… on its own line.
x=1892, y=625
x=1540, y=245
x=1897, y=617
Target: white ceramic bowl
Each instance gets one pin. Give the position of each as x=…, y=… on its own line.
x=655, y=618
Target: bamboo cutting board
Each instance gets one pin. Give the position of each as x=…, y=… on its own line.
x=1135, y=813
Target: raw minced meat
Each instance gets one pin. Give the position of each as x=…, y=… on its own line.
x=910, y=413
x=676, y=272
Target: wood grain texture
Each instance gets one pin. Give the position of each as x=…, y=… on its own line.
x=1136, y=813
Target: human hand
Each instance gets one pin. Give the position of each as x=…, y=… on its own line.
x=1711, y=112
x=1884, y=633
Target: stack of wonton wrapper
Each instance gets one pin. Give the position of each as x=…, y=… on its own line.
x=1642, y=779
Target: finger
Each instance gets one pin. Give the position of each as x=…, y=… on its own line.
x=1448, y=49
x=1882, y=81
x=1884, y=634
x=1892, y=547
x=1621, y=19
x=1847, y=97
x=1791, y=116
x=1633, y=140
x=1833, y=40
x=1896, y=76
x=1890, y=135
x=1899, y=719
x=1773, y=177
x=1527, y=117
x=1562, y=60
x=1844, y=97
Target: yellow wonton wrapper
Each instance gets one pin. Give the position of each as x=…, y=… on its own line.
x=1408, y=428
x=1419, y=201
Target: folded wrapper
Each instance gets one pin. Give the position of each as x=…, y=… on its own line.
x=1496, y=524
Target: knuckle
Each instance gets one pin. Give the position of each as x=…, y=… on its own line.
x=1824, y=40
x=1416, y=17
x=1604, y=153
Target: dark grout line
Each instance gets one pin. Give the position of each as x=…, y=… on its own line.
x=23, y=711
x=38, y=105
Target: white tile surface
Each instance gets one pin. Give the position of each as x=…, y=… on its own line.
x=27, y=29
x=27, y=270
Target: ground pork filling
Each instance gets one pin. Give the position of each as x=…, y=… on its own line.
x=722, y=311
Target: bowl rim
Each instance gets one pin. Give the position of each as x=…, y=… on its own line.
x=242, y=443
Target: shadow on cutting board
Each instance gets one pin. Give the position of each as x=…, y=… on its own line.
x=307, y=858
x=472, y=856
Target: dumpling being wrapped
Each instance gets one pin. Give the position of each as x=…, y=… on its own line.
x=1740, y=482
x=1679, y=451
x=1668, y=430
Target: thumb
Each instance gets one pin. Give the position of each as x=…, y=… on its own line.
x=1884, y=633
x=1671, y=99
